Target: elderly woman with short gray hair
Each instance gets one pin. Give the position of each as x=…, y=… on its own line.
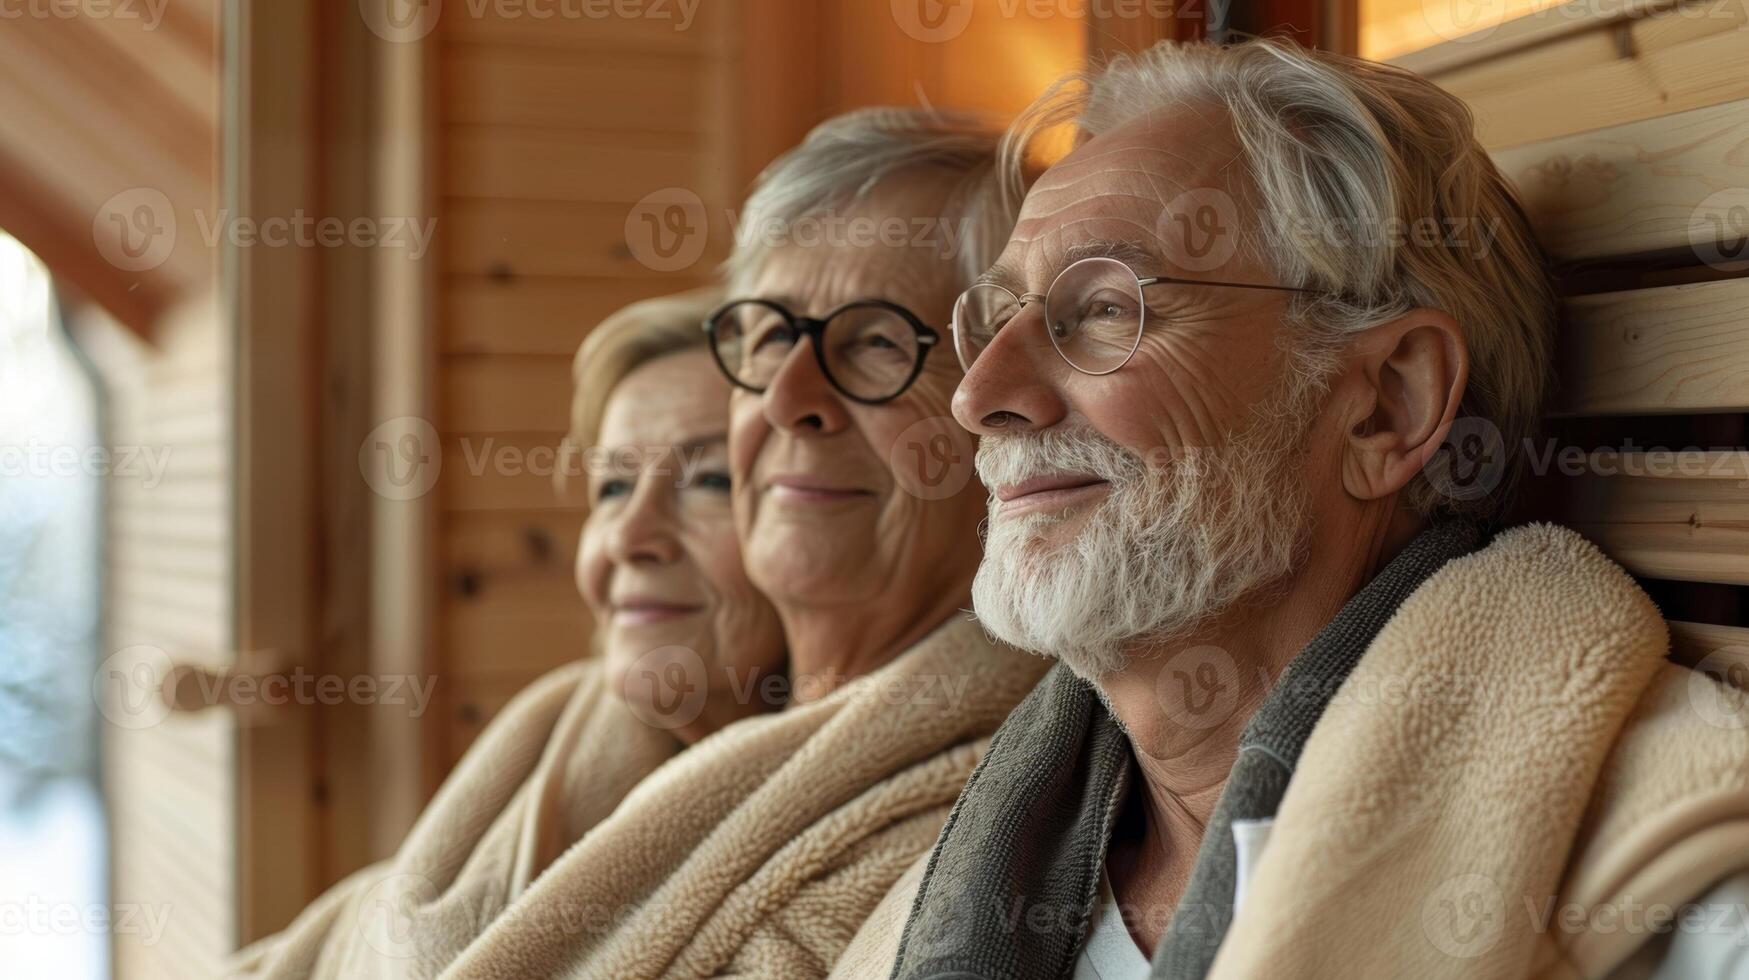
x=759, y=851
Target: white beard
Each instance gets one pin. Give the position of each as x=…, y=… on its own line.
x=1171, y=546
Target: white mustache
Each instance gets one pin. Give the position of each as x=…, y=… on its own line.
x=1007, y=460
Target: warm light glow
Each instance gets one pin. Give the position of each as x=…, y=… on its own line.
x=1392, y=27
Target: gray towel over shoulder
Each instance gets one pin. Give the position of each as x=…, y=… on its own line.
x=1010, y=887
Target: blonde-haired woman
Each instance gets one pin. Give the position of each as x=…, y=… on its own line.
x=683, y=644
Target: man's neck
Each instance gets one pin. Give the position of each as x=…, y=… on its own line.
x=1185, y=702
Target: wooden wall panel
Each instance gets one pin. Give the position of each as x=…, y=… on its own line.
x=1677, y=183
x=1673, y=349
x=1581, y=67
x=170, y=786
x=549, y=135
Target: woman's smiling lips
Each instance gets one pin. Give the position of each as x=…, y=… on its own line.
x=1049, y=493
x=812, y=490
x=639, y=611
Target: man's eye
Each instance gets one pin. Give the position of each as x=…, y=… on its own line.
x=714, y=481
x=613, y=488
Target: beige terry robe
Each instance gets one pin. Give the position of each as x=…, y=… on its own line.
x=553, y=763
x=1508, y=783
x=757, y=852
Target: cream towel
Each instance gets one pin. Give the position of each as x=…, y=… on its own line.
x=762, y=849
x=1512, y=748
x=554, y=762
x=1544, y=754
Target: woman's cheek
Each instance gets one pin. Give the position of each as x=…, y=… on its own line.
x=591, y=571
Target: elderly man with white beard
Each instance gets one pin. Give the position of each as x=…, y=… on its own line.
x=1315, y=714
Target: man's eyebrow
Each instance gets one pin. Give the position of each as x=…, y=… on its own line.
x=1128, y=252
x=1000, y=274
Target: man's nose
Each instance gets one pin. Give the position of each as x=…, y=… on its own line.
x=1013, y=382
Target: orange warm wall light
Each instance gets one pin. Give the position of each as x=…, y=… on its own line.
x=1392, y=27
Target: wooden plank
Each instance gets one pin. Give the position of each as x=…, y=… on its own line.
x=408, y=762
x=1549, y=104
x=519, y=163
x=1723, y=649
x=1497, y=39
x=273, y=148
x=512, y=544
x=1606, y=73
x=539, y=316
x=508, y=239
x=1639, y=188
x=583, y=28
x=526, y=86
x=1674, y=349
x=506, y=394
x=515, y=648
x=511, y=471
x=1681, y=515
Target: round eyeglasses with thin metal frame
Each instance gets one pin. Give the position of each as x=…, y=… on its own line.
x=815, y=330
x=961, y=340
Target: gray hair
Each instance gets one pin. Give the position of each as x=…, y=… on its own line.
x=1344, y=156
x=844, y=158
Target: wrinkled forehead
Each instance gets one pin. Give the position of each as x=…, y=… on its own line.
x=1166, y=190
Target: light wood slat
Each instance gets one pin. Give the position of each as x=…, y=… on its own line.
x=513, y=648
x=1496, y=40
x=544, y=164
x=539, y=316
x=664, y=31
x=1674, y=349
x=521, y=238
x=1724, y=650
x=1639, y=68
x=528, y=543
x=634, y=92
x=1670, y=515
x=1634, y=189
x=510, y=471
x=521, y=394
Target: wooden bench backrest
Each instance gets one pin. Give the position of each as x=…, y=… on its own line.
x=1627, y=135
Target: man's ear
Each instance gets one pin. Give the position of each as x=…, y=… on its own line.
x=1410, y=373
